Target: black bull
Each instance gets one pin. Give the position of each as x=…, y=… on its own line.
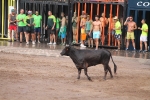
x=86, y=58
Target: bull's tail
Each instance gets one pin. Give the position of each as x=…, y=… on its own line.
x=115, y=66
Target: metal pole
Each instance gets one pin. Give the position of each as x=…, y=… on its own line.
x=124, y=18
x=69, y=22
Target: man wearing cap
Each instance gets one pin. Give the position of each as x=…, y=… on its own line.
x=12, y=24
x=37, y=22
x=117, y=29
x=29, y=20
x=21, y=24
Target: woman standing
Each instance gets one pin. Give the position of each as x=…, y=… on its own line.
x=74, y=27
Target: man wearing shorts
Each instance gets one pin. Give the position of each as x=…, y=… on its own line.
x=88, y=25
x=12, y=24
x=144, y=35
x=51, y=27
x=21, y=24
x=117, y=29
x=83, y=33
x=30, y=27
x=62, y=32
x=37, y=22
x=97, y=28
x=131, y=25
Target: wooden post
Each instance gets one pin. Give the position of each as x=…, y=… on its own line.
x=85, y=7
x=110, y=23
x=103, y=33
x=78, y=21
x=98, y=8
x=91, y=15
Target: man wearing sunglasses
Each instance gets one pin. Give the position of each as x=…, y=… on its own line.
x=131, y=25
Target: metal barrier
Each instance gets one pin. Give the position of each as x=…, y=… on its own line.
x=92, y=7
x=5, y=4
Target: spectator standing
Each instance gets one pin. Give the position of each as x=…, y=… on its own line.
x=62, y=32
x=74, y=27
x=29, y=20
x=144, y=35
x=117, y=29
x=88, y=28
x=97, y=29
x=51, y=27
x=131, y=25
x=83, y=32
x=21, y=24
x=12, y=24
x=37, y=27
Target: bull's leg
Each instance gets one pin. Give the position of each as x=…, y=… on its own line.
x=79, y=72
x=109, y=69
x=105, y=70
x=85, y=71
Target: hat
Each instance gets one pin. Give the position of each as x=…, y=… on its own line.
x=29, y=12
x=12, y=10
x=115, y=18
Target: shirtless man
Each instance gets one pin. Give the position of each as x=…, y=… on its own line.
x=97, y=29
x=62, y=31
x=104, y=22
x=131, y=25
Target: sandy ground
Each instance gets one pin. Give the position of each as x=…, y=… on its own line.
x=25, y=77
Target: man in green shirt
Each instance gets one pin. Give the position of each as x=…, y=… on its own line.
x=21, y=24
x=29, y=20
x=37, y=22
x=51, y=27
x=118, y=32
x=143, y=37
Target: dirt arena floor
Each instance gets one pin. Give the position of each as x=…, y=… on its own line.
x=24, y=77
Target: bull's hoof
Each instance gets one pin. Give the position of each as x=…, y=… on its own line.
x=78, y=78
x=104, y=78
x=111, y=76
x=89, y=79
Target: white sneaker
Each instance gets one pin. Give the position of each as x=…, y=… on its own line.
x=54, y=43
x=33, y=42
x=83, y=46
x=39, y=42
x=27, y=43
x=50, y=43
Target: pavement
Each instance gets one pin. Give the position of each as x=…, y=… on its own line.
x=42, y=49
